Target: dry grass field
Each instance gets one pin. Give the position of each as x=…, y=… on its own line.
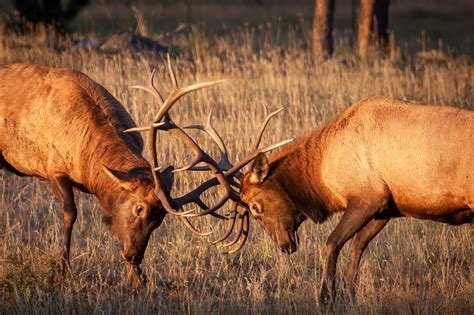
x=412, y=267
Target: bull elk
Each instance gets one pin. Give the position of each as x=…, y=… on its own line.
x=380, y=159
x=61, y=126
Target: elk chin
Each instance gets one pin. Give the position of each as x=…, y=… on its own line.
x=295, y=241
x=290, y=244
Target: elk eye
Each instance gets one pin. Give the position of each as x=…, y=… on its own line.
x=138, y=210
x=256, y=208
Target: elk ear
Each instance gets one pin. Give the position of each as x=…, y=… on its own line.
x=121, y=178
x=260, y=169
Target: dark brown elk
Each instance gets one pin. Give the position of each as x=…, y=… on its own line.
x=380, y=159
x=60, y=126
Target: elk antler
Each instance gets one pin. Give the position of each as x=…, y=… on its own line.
x=227, y=170
x=162, y=121
x=230, y=171
x=223, y=171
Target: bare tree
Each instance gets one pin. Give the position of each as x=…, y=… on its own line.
x=373, y=23
x=373, y=17
x=381, y=20
x=322, y=42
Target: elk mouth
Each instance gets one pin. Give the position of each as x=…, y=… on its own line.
x=290, y=246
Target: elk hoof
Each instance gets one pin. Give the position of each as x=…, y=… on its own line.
x=135, y=276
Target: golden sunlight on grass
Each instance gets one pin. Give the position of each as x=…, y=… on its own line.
x=413, y=266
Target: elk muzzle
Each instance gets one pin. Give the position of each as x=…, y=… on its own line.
x=287, y=239
x=134, y=249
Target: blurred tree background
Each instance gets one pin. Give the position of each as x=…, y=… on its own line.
x=414, y=24
x=49, y=12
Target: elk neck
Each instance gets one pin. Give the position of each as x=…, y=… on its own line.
x=296, y=168
x=104, y=142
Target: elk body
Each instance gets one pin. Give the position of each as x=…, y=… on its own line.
x=61, y=126
x=380, y=159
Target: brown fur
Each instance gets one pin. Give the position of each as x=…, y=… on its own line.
x=381, y=158
x=59, y=125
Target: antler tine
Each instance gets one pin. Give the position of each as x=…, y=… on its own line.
x=264, y=125
x=233, y=216
x=201, y=156
x=139, y=129
x=188, y=224
x=229, y=194
x=245, y=233
x=171, y=72
x=234, y=170
x=201, y=204
x=239, y=230
x=216, y=136
x=152, y=84
x=144, y=88
x=152, y=88
x=178, y=92
x=224, y=163
x=249, y=157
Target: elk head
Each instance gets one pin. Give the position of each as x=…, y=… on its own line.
x=241, y=205
x=136, y=211
x=270, y=205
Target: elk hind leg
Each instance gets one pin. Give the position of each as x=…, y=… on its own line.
x=355, y=217
x=63, y=190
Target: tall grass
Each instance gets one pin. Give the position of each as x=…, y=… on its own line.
x=413, y=266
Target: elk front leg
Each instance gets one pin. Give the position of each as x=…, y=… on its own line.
x=357, y=214
x=63, y=190
x=361, y=240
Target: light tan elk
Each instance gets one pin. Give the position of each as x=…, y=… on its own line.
x=380, y=159
x=60, y=126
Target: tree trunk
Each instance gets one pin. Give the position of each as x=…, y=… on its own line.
x=381, y=18
x=366, y=12
x=322, y=42
x=373, y=15
x=189, y=13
